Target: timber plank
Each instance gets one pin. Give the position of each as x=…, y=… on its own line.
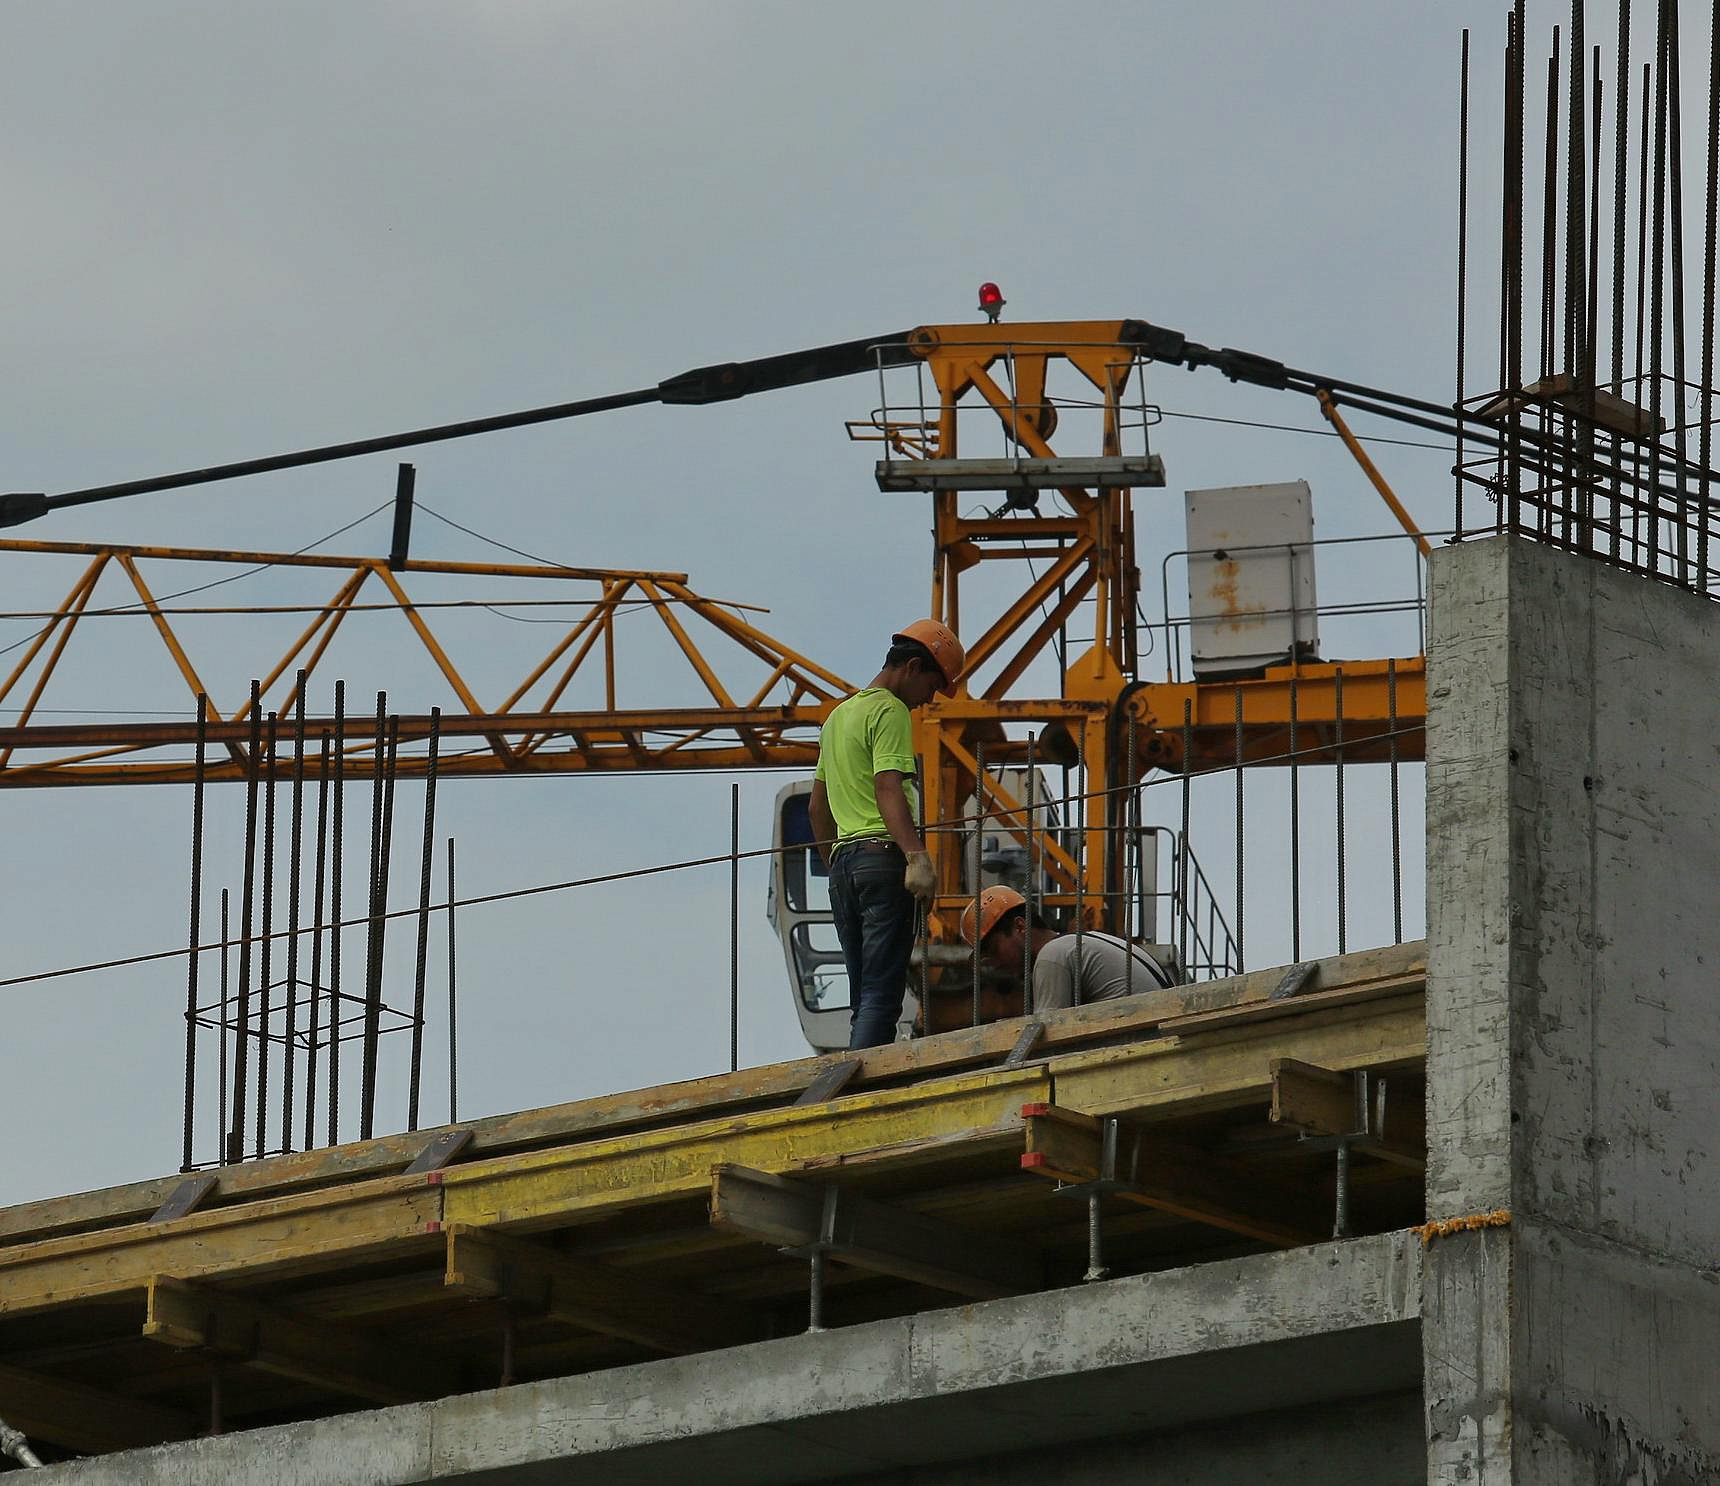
x=543, y=1187
x=1231, y=1068
x=1214, y=1067
x=872, y=1235
x=277, y=1238
x=325, y=1354
x=754, y=1087
x=1314, y=1100
x=1172, y=1177
x=1299, y=1006
x=592, y=1296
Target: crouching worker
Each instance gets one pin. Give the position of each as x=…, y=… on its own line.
x=864, y=809
x=1068, y=970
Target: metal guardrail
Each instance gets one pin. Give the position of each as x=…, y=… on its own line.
x=1172, y=628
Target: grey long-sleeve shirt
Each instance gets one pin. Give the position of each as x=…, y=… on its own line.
x=1104, y=971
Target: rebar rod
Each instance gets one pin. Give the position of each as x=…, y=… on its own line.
x=1675, y=177
x=1184, y=887
x=1241, y=956
x=453, y=1001
x=978, y=852
x=815, y=1290
x=734, y=927
x=1705, y=434
x=1656, y=288
x=421, y=964
x=510, y=1332
x=1338, y=788
x=1514, y=146
x=336, y=1013
x=221, y=1036
x=1550, y=214
x=1592, y=311
x=1576, y=199
x=922, y=936
x=192, y=958
x=313, y=1036
x=1641, y=290
x=1549, y=269
x=1621, y=193
x=373, y=993
x=1030, y=886
x=1295, y=767
x=1131, y=825
x=241, y=1047
x=1397, y=818
x=294, y=852
x=1507, y=377
x=1462, y=269
x=265, y=951
x=1096, y=1270
x=1080, y=873
x=1621, y=209
x=371, y=1020
x=1341, y=1204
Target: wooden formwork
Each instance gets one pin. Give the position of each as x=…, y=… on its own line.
x=680, y=1218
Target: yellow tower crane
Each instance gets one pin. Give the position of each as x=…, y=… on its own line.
x=979, y=750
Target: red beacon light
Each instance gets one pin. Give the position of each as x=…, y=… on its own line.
x=991, y=301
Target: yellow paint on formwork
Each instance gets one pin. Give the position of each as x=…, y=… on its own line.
x=1222, y=1068
x=1222, y=1060
x=543, y=1187
x=304, y=1232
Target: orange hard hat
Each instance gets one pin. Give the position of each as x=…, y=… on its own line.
x=946, y=649
x=994, y=903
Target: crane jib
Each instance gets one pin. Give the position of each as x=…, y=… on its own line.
x=724, y=381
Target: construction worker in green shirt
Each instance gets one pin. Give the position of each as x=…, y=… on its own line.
x=864, y=807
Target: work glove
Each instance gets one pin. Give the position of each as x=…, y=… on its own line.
x=920, y=879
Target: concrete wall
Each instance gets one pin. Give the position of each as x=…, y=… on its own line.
x=1237, y=1354
x=1574, y=1021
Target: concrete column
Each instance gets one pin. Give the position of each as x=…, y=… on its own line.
x=1573, y=825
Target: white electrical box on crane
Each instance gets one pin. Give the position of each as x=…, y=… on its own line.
x=1251, y=577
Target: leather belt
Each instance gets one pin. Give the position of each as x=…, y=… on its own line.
x=868, y=843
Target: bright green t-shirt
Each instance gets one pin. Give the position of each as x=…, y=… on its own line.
x=869, y=732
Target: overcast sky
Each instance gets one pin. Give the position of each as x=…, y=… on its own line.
x=235, y=229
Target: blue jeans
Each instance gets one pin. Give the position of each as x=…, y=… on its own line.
x=875, y=923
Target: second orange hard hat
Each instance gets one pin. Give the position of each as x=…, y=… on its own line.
x=946, y=649
x=994, y=903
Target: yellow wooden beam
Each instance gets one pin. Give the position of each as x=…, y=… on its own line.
x=1219, y=1058
x=326, y=1354
x=1230, y=1067
x=585, y=1181
x=592, y=1296
x=1324, y=1103
x=1315, y=1100
x=1171, y=1177
x=280, y=1237
x=1365, y=972
x=870, y=1235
